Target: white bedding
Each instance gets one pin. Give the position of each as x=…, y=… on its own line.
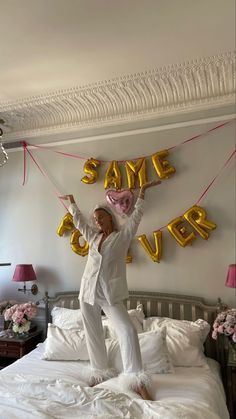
x=36, y=388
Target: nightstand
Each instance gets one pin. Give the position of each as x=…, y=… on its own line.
x=14, y=348
x=231, y=382
x=226, y=356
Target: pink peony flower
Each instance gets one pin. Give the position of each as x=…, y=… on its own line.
x=20, y=314
x=225, y=323
x=214, y=334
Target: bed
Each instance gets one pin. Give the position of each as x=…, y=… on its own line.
x=175, y=344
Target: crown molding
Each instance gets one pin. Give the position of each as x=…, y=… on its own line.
x=201, y=84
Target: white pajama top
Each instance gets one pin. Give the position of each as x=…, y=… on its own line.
x=107, y=269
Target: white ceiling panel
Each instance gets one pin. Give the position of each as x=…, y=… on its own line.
x=51, y=47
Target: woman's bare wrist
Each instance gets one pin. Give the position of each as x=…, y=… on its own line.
x=141, y=193
x=71, y=199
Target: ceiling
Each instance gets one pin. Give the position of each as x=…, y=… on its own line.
x=69, y=67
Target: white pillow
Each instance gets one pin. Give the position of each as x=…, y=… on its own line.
x=65, y=318
x=153, y=351
x=184, y=339
x=65, y=344
x=136, y=316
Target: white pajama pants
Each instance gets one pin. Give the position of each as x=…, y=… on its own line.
x=128, y=342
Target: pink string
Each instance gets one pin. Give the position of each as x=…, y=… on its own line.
x=25, y=144
x=213, y=180
x=60, y=152
x=200, y=135
x=135, y=158
x=211, y=183
x=25, y=148
x=45, y=175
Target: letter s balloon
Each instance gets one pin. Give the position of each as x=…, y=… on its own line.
x=89, y=167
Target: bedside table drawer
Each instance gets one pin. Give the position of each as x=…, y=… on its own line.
x=16, y=347
x=9, y=349
x=10, y=353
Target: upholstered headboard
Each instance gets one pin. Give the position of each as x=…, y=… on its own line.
x=176, y=306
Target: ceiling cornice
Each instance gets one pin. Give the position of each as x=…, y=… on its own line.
x=195, y=85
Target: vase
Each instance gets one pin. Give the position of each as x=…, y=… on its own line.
x=21, y=329
x=7, y=324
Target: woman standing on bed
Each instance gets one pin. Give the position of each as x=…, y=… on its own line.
x=104, y=286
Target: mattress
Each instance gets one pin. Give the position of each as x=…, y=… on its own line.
x=36, y=388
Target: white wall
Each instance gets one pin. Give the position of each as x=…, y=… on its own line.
x=30, y=214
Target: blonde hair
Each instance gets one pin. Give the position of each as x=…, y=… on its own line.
x=108, y=210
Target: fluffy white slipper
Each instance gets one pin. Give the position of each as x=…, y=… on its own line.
x=98, y=376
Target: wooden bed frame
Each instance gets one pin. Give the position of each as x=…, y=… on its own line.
x=175, y=306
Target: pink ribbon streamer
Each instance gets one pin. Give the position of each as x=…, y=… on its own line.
x=213, y=180
x=25, y=145
x=24, y=174
x=57, y=193
x=136, y=158
x=200, y=135
x=59, y=152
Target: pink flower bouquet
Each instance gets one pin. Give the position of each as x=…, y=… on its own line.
x=21, y=315
x=4, y=305
x=225, y=323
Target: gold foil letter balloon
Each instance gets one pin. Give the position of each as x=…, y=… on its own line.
x=162, y=167
x=65, y=224
x=89, y=168
x=133, y=169
x=179, y=232
x=113, y=176
x=196, y=216
x=81, y=250
x=156, y=254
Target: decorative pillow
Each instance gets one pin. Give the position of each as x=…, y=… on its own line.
x=65, y=344
x=184, y=339
x=65, y=318
x=136, y=316
x=153, y=350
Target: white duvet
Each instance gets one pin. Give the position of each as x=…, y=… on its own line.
x=34, y=388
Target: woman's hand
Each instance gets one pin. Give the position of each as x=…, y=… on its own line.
x=68, y=197
x=146, y=186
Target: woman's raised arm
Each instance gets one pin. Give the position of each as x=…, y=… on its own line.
x=146, y=186
x=80, y=223
x=69, y=198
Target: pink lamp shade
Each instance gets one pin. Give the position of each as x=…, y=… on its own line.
x=231, y=277
x=24, y=273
